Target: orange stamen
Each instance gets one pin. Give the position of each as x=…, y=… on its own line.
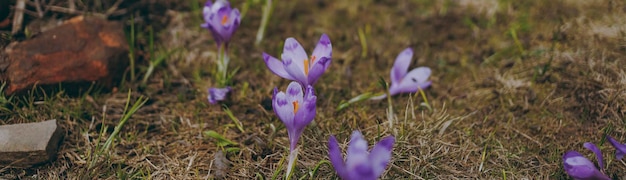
x=224, y=19
x=295, y=107
x=306, y=67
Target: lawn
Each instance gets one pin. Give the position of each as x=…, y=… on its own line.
x=515, y=84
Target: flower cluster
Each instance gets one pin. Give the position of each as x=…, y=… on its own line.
x=296, y=106
x=579, y=167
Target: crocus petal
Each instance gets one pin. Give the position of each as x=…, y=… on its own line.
x=357, y=151
x=276, y=66
x=401, y=65
x=309, y=107
x=206, y=11
x=295, y=93
x=596, y=151
x=620, y=149
x=217, y=94
x=219, y=4
x=580, y=167
x=318, y=68
x=210, y=11
x=208, y=3
x=334, y=154
x=293, y=50
x=381, y=154
x=323, y=49
x=206, y=14
x=295, y=71
x=283, y=107
x=294, y=57
x=216, y=35
x=362, y=171
x=234, y=20
x=415, y=79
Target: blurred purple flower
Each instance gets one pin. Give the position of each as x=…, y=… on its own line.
x=218, y=94
x=295, y=108
x=579, y=167
x=403, y=82
x=620, y=149
x=221, y=20
x=296, y=64
x=360, y=164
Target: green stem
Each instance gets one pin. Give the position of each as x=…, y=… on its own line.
x=390, y=110
x=423, y=96
x=293, y=156
x=131, y=54
x=267, y=12
x=222, y=66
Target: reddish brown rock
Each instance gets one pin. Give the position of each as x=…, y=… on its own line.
x=24, y=145
x=83, y=49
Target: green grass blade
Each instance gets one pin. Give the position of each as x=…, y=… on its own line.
x=233, y=118
x=221, y=140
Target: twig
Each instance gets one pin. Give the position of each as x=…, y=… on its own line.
x=118, y=12
x=72, y=5
x=31, y=13
x=114, y=7
x=47, y=9
x=19, y=16
x=527, y=137
x=70, y=11
x=38, y=7
x=61, y=9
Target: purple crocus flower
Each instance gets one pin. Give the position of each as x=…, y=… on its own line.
x=579, y=167
x=620, y=149
x=403, y=82
x=360, y=164
x=221, y=20
x=295, y=108
x=296, y=65
x=218, y=94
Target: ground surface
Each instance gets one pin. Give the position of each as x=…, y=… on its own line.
x=515, y=85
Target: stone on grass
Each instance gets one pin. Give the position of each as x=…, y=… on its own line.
x=82, y=49
x=25, y=145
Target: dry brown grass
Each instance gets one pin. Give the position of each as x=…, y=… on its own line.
x=503, y=105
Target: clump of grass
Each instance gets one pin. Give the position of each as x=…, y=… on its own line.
x=156, y=57
x=5, y=102
x=101, y=150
